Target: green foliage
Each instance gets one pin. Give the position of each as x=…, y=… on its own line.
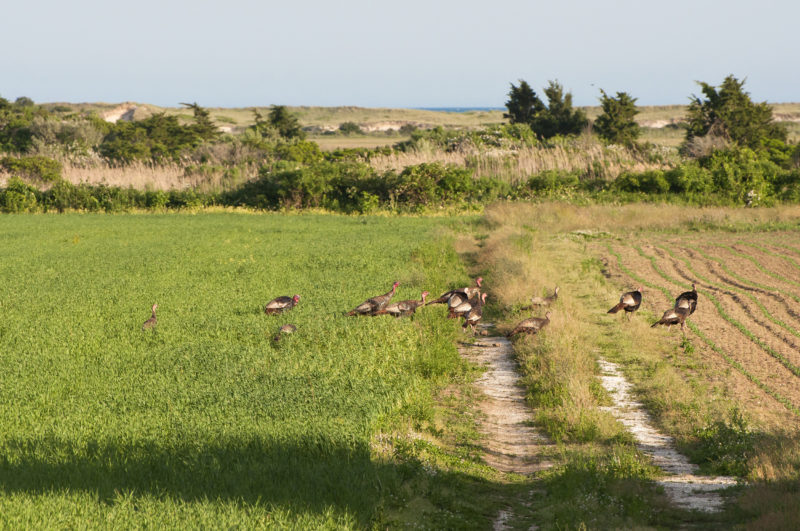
x=299, y=151
x=350, y=128
x=285, y=122
x=15, y=125
x=560, y=118
x=649, y=182
x=729, y=113
x=616, y=123
x=557, y=118
x=725, y=447
x=523, y=104
x=552, y=181
x=24, y=101
x=159, y=138
x=18, y=196
x=37, y=168
x=203, y=125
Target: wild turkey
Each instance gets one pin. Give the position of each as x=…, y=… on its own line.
x=152, y=322
x=402, y=308
x=283, y=330
x=463, y=308
x=375, y=304
x=281, y=304
x=457, y=296
x=671, y=317
x=630, y=302
x=544, y=301
x=474, y=315
x=687, y=300
x=531, y=325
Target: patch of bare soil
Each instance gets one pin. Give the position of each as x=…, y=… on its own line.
x=753, y=358
x=740, y=308
x=682, y=484
x=123, y=111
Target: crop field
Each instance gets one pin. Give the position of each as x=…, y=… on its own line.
x=205, y=421
x=748, y=323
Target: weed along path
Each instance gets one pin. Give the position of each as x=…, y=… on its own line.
x=512, y=444
x=682, y=485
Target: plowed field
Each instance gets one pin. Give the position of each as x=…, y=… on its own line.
x=747, y=324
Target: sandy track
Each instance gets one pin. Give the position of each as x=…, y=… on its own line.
x=511, y=443
x=682, y=484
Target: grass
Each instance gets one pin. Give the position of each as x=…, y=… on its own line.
x=205, y=422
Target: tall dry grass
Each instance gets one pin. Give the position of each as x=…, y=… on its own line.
x=584, y=155
x=157, y=176
x=562, y=217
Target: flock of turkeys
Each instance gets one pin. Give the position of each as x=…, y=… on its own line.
x=467, y=303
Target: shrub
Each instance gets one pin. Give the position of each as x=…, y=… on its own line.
x=649, y=182
x=689, y=179
x=350, y=128
x=553, y=181
x=36, y=168
x=18, y=196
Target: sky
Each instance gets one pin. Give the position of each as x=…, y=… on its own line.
x=406, y=54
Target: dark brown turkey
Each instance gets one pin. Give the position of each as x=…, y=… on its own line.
x=152, y=322
x=403, y=308
x=281, y=304
x=671, y=317
x=463, y=308
x=544, y=301
x=530, y=326
x=475, y=313
x=630, y=302
x=457, y=296
x=284, y=330
x=375, y=304
x=687, y=300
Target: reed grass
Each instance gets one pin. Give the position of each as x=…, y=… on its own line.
x=586, y=156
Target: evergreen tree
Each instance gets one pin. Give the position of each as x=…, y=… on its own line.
x=523, y=104
x=285, y=122
x=557, y=118
x=203, y=125
x=560, y=118
x=616, y=124
x=730, y=114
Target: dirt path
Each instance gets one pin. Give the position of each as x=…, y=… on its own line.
x=682, y=485
x=511, y=443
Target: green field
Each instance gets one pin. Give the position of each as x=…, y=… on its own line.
x=206, y=421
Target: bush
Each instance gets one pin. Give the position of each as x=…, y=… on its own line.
x=649, y=182
x=18, y=196
x=553, y=181
x=350, y=128
x=37, y=168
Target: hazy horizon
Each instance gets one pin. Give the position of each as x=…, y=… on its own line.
x=366, y=54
